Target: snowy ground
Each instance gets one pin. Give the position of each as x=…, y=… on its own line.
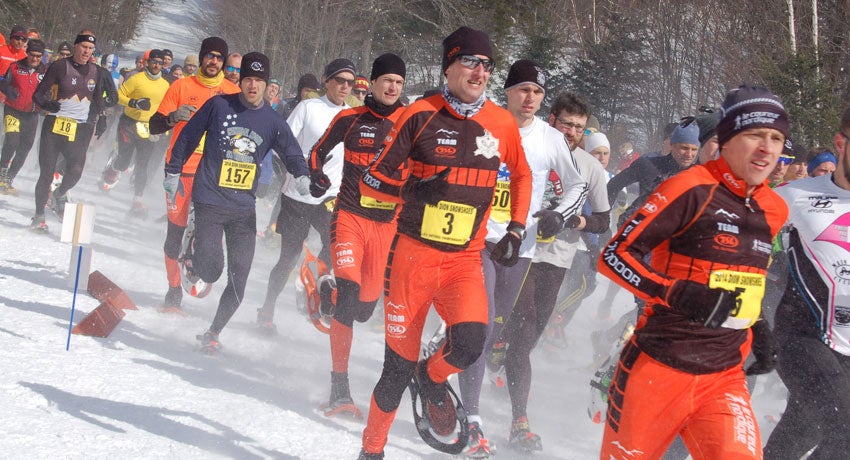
x=145, y=392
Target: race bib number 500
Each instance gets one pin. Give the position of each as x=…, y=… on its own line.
x=448, y=222
x=237, y=175
x=750, y=289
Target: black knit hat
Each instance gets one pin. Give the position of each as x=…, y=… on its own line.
x=388, y=63
x=525, y=71
x=338, y=65
x=156, y=54
x=308, y=80
x=216, y=44
x=465, y=41
x=255, y=64
x=750, y=107
x=64, y=46
x=707, y=122
x=167, y=52
x=35, y=46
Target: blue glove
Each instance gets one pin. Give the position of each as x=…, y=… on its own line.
x=172, y=185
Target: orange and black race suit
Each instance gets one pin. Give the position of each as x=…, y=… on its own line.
x=432, y=137
x=678, y=376
x=361, y=131
x=699, y=222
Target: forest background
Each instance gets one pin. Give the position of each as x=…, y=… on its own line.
x=641, y=63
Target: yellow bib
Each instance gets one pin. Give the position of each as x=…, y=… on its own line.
x=237, y=175
x=500, y=211
x=67, y=127
x=448, y=222
x=143, y=129
x=13, y=125
x=750, y=289
x=371, y=203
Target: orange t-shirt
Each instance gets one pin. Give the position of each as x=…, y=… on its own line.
x=190, y=91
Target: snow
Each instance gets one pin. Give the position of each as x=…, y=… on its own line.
x=146, y=392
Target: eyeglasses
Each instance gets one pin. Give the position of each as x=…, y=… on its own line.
x=786, y=160
x=343, y=81
x=20, y=38
x=35, y=55
x=575, y=126
x=212, y=55
x=230, y=68
x=359, y=92
x=471, y=62
x=64, y=54
x=155, y=61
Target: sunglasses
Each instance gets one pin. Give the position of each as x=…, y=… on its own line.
x=359, y=92
x=20, y=38
x=155, y=61
x=575, y=126
x=471, y=62
x=230, y=68
x=35, y=55
x=212, y=55
x=786, y=160
x=343, y=81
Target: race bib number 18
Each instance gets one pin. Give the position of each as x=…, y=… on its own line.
x=237, y=175
x=65, y=126
x=750, y=288
x=448, y=222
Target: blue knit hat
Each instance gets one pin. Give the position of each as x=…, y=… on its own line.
x=685, y=134
x=820, y=159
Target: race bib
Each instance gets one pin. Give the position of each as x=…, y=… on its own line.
x=12, y=124
x=238, y=175
x=371, y=203
x=500, y=211
x=65, y=126
x=750, y=289
x=545, y=240
x=200, y=147
x=143, y=129
x=448, y=222
x=329, y=205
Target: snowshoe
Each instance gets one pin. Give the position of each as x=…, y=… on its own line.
x=191, y=282
x=314, y=269
x=58, y=205
x=478, y=446
x=109, y=178
x=496, y=356
x=436, y=342
x=173, y=300
x=601, y=380
x=367, y=456
x=38, y=225
x=522, y=439
x=498, y=377
x=437, y=422
x=138, y=211
x=340, y=402
x=209, y=343
x=57, y=181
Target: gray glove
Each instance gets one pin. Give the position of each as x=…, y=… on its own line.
x=302, y=185
x=172, y=185
x=183, y=113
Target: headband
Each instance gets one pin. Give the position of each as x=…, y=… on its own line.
x=85, y=38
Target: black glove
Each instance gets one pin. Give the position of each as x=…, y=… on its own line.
x=765, y=349
x=549, y=223
x=142, y=103
x=573, y=221
x=100, y=127
x=319, y=183
x=51, y=106
x=428, y=190
x=506, y=251
x=11, y=93
x=702, y=304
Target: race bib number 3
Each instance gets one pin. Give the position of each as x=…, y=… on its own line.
x=65, y=126
x=237, y=175
x=12, y=124
x=448, y=222
x=750, y=289
x=500, y=211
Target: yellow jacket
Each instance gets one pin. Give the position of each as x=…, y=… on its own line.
x=138, y=86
